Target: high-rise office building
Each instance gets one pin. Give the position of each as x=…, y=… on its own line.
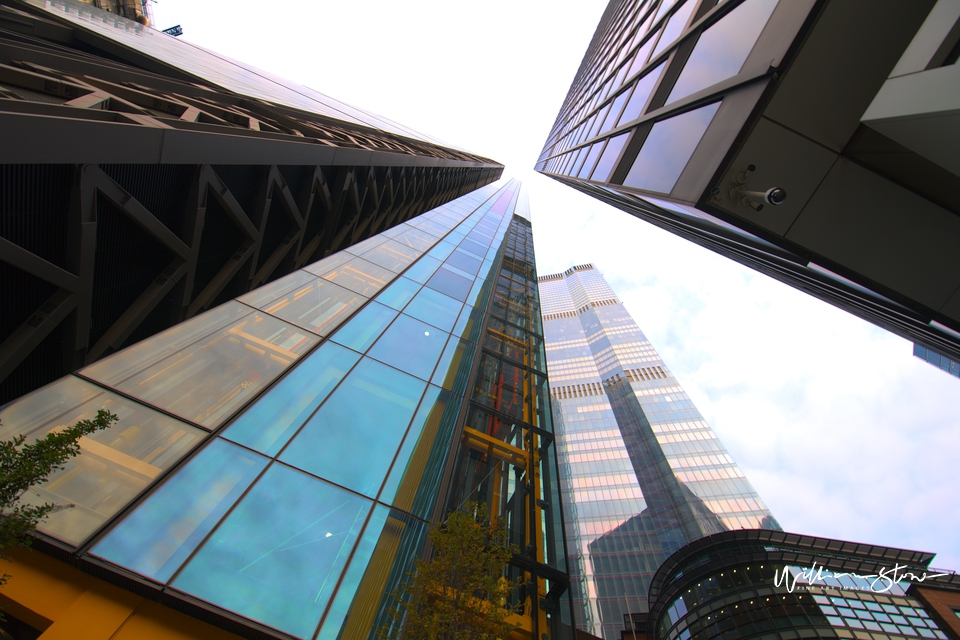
x=938, y=360
x=146, y=180
x=771, y=584
x=279, y=458
x=641, y=472
x=813, y=140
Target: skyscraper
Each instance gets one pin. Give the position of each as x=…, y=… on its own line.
x=642, y=474
x=146, y=180
x=814, y=141
x=279, y=458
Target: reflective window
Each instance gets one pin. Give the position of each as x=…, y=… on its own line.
x=357, y=275
x=723, y=48
x=475, y=248
x=114, y=465
x=399, y=293
x=416, y=239
x=421, y=271
x=275, y=417
x=614, y=112
x=307, y=301
x=392, y=255
x=389, y=545
x=363, y=246
x=469, y=324
x=158, y=536
x=445, y=281
x=675, y=26
x=591, y=159
x=206, y=368
x=453, y=370
x=442, y=250
x=410, y=345
x=609, y=158
x=279, y=554
x=414, y=481
x=641, y=94
x=330, y=262
x=355, y=435
x=668, y=148
x=464, y=261
x=360, y=333
x=435, y=308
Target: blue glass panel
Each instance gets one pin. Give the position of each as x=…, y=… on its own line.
x=392, y=255
x=398, y=294
x=674, y=26
x=268, y=424
x=469, y=324
x=414, y=481
x=641, y=93
x=475, y=248
x=723, y=48
x=384, y=557
x=442, y=250
x=159, y=535
x=422, y=269
x=278, y=555
x=591, y=160
x=365, y=327
x=411, y=346
x=609, y=158
x=354, y=436
x=464, y=261
x=434, y=308
x=668, y=148
x=445, y=281
x=453, y=370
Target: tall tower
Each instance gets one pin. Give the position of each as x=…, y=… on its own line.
x=641, y=472
x=279, y=459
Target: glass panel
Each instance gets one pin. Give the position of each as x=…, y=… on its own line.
x=476, y=248
x=392, y=255
x=158, y=536
x=445, y=281
x=469, y=324
x=442, y=250
x=454, y=367
x=357, y=275
x=206, y=368
x=423, y=269
x=414, y=481
x=591, y=159
x=390, y=544
x=614, y=112
x=465, y=261
x=398, y=294
x=114, y=465
x=366, y=245
x=355, y=435
x=609, y=158
x=307, y=301
x=411, y=346
x=668, y=148
x=640, y=95
x=329, y=263
x=360, y=333
x=674, y=26
x=434, y=308
x=723, y=48
x=278, y=555
x=268, y=424
x=416, y=239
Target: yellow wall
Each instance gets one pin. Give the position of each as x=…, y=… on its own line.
x=67, y=604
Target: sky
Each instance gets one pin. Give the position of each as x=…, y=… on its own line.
x=842, y=431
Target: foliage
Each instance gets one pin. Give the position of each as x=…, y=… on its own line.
x=460, y=592
x=26, y=465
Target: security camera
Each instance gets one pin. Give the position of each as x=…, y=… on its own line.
x=774, y=196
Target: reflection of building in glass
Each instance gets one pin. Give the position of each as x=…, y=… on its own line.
x=744, y=584
x=279, y=458
x=685, y=112
x=642, y=473
x=146, y=180
x=938, y=360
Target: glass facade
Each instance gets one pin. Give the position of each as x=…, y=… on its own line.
x=943, y=362
x=641, y=472
x=280, y=457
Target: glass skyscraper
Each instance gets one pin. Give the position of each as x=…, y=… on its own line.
x=809, y=140
x=641, y=473
x=279, y=458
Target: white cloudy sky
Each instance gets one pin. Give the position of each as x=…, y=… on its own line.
x=842, y=431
